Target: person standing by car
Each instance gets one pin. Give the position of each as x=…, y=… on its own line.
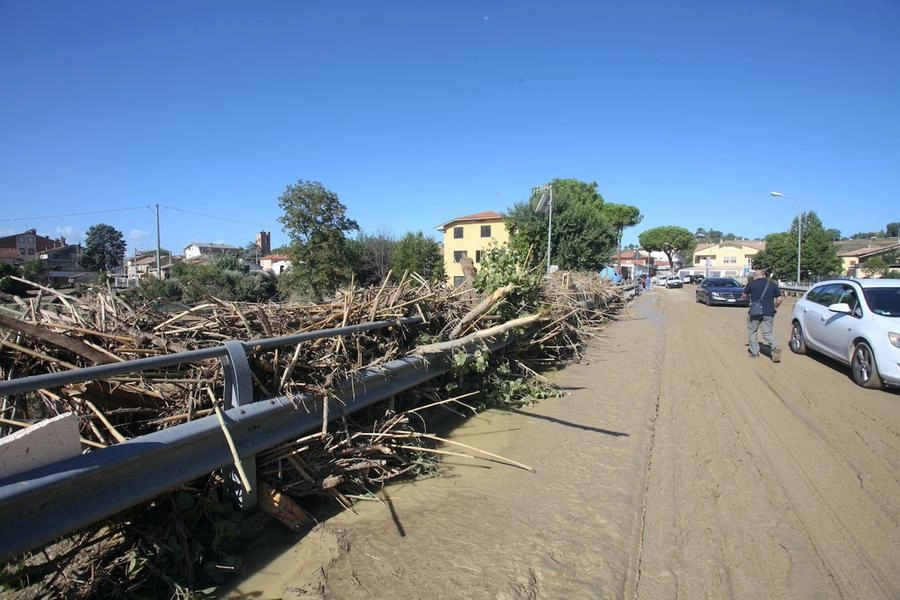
x=765, y=292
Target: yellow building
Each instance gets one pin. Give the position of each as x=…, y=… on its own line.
x=730, y=258
x=470, y=236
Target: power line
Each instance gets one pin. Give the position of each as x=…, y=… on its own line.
x=190, y=212
x=79, y=214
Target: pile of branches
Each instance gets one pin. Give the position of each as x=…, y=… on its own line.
x=178, y=540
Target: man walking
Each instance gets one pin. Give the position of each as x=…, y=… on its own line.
x=765, y=298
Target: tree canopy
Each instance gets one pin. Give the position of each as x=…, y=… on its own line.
x=316, y=222
x=669, y=239
x=583, y=238
x=818, y=254
x=416, y=253
x=371, y=256
x=104, y=248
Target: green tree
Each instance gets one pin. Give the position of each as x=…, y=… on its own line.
x=818, y=253
x=316, y=222
x=104, y=248
x=779, y=257
x=669, y=239
x=371, y=257
x=621, y=216
x=582, y=236
x=416, y=253
x=892, y=230
x=876, y=267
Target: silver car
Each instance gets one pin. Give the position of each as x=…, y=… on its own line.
x=854, y=321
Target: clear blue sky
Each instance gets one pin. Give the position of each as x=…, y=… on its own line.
x=418, y=112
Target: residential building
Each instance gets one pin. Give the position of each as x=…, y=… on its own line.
x=853, y=260
x=63, y=258
x=634, y=263
x=29, y=244
x=198, y=250
x=10, y=256
x=470, y=237
x=276, y=263
x=144, y=263
x=728, y=258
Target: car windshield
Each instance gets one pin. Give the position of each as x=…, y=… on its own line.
x=722, y=283
x=884, y=301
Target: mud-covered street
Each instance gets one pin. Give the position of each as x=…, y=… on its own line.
x=675, y=467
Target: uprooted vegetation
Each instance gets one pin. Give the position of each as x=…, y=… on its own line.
x=185, y=542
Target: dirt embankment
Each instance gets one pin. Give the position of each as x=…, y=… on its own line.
x=676, y=467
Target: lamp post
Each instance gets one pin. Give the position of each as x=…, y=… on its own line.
x=545, y=205
x=799, y=227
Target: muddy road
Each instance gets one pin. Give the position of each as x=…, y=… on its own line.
x=675, y=467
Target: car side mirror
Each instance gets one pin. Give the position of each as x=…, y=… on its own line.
x=840, y=307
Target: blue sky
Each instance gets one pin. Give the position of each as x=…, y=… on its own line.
x=418, y=112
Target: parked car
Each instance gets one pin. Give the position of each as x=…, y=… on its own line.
x=721, y=290
x=854, y=321
x=696, y=279
x=674, y=281
x=686, y=278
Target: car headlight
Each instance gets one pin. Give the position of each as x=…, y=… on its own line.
x=895, y=338
x=716, y=295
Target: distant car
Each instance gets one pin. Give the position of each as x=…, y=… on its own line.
x=854, y=321
x=674, y=281
x=696, y=279
x=721, y=290
x=686, y=278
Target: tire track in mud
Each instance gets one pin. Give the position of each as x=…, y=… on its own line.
x=850, y=530
x=649, y=449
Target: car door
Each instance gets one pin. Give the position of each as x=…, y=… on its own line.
x=816, y=316
x=831, y=332
x=840, y=329
x=702, y=291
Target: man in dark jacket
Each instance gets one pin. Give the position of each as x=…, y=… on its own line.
x=766, y=292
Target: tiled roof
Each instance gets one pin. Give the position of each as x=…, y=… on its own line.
x=487, y=215
x=274, y=257
x=757, y=244
x=863, y=252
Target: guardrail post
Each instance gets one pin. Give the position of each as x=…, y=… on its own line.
x=239, y=392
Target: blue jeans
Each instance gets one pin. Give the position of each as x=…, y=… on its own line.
x=765, y=326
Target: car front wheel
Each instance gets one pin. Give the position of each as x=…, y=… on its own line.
x=797, y=345
x=863, y=367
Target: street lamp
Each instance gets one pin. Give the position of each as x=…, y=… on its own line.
x=799, y=227
x=545, y=205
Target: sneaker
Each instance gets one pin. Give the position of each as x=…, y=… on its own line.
x=776, y=354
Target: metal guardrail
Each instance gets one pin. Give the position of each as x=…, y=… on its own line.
x=793, y=290
x=42, y=504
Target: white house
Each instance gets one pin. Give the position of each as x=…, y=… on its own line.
x=197, y=250
x=276, y=263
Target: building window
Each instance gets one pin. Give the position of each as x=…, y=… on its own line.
x=459, y=280
x=31, y=251
x=458, y=255
x=730, y=260
x=22, y=251
x=485, y=231
x=479, y=254
x=457, y=233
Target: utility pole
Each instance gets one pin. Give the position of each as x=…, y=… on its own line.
x=545, y=206
x=158, y=249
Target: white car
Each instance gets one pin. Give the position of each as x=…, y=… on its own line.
x=674, y=281
x=854, y=321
